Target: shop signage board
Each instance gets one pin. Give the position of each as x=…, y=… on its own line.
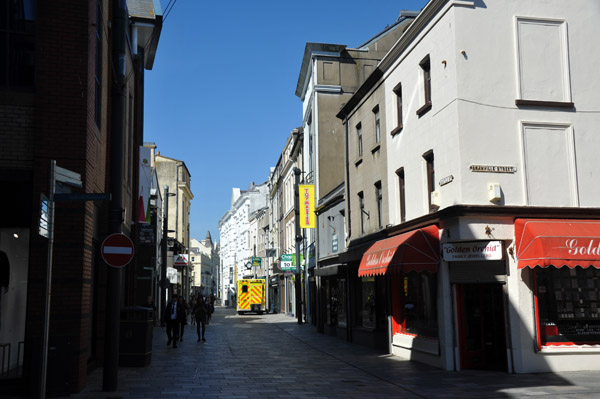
x=256, y=261
x=307, y=206
x=288, y=262
x=180, y=260
x=472, y=251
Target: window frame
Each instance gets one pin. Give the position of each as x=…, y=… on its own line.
x=377, y=116
x=430, y=171
x=425, y=66
x=402, y=194
x=379, y=200
x=399, y=119
x=361, y=207
x=359, y=139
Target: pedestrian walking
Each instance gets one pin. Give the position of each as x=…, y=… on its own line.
x=172, y=318
x=183, y=321
x=192, y=303
x=209, y=309
x=200, y=313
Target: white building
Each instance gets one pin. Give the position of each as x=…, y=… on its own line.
x=235, y=237
x=205, y=264
x=492, y=117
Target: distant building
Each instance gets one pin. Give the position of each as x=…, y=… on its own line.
x=205, y=262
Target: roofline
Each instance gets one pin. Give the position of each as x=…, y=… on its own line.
x=311, y=50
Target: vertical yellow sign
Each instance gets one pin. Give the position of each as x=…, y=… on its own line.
x=307, y=206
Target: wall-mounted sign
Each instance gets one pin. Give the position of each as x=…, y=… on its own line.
x=256, y=261
x=493, y=169
x=307, y=206
x=334, y=243
x=472, y=251
x=288, y=262
x=446, y=180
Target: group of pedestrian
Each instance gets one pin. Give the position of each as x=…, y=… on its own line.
x=176, y=315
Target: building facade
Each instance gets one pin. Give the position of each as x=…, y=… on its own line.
x=57, y=103
x=489, y=259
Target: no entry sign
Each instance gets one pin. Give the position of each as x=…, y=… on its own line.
x=117, y=250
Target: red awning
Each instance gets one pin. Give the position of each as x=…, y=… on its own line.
x=556, y=242
x=417, y=250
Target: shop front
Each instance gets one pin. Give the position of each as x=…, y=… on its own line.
x=560, y=259
x=398, y=292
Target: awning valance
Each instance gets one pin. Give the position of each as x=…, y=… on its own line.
x=557, y=242
x=417, y=250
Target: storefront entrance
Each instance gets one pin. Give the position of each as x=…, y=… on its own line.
x=481, y=327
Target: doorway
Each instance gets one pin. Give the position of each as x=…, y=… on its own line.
x=481, y=327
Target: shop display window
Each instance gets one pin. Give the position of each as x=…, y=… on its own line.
x=341, y=301
x=416, y=309
x=368, y=310
x=335, y=290
x=567, y=304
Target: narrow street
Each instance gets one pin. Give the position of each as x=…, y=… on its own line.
x=298, y=362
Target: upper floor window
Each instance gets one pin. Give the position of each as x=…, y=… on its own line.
x=361, y=205
x=402, y=194
x=359, y=140
x=428, y=157
x=399, y=124
x=379, y=199
x=426, y=78
x=377, y=124
x=17, y=29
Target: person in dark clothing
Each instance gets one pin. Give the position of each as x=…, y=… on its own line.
x=173, y=315
x=183, y=321
x=200, y=312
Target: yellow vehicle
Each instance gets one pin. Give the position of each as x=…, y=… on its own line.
x=251, y=296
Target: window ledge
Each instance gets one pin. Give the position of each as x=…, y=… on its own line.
x=414, y=342
x=396, y=130
x=421, y=111
x=358, y=162
x=376, y=148
x=550, y=104
x=557, y=349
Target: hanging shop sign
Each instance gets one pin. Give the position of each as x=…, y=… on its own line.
x=307, y=206
x=472, y=251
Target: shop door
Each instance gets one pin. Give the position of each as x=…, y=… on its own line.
x=481, y=327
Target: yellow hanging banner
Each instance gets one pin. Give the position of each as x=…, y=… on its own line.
x=307, y=206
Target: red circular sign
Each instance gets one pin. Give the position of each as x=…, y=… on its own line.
x=117, y=250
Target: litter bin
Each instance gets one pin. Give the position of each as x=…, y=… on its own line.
x=135, y=344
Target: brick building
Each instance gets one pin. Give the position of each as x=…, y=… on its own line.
x=55, y=104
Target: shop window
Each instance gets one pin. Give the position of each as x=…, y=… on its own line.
x=415, y=312
x=341, y=302
x=368, y=308
x=568, y=300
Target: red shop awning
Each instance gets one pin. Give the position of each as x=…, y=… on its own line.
x=417, y=250
x=556, y=242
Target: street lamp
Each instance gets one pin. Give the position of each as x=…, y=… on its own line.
x=163, y=269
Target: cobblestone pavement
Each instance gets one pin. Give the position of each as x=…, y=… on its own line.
x=271, y=356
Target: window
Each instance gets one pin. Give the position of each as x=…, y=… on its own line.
x=399, y=125
x=426, y=76
x=359, y=139
x=568, y=305
x=368, y=310
x=17, y=29
x=379, y=198
x=361, y=204
x=402, y=194
x=98, y=75
x=418, y=304
x=377, y=124
x=428, y=156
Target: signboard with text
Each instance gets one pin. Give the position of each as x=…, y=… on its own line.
x=472, y=251
x=307, y=206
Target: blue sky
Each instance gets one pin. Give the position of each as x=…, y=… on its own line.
x=221, y=94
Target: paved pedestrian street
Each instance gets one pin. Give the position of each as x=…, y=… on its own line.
x=272, y=356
